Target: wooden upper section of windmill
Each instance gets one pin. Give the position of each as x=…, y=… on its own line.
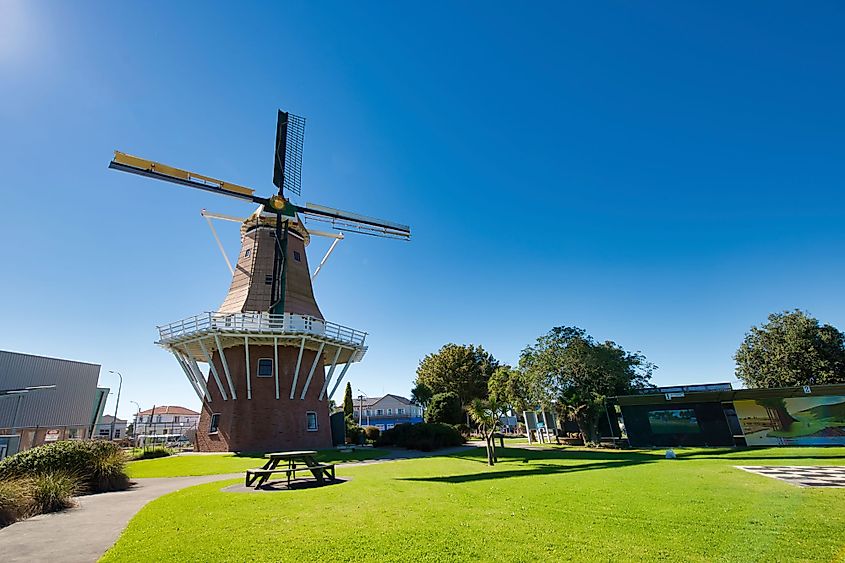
x=251, y=287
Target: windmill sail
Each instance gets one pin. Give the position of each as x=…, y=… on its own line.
x=353, y=222
x=287, y=167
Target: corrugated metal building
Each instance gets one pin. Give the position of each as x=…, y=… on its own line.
x=70, y=410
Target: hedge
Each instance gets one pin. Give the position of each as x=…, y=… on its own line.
x=425, y=436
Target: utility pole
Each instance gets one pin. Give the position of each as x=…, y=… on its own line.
x=116, y=403
x=360, y=409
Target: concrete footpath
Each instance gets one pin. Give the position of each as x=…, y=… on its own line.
x=86, y=532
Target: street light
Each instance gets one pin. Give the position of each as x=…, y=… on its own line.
x=116, y=403
x=137, y=418
x=361, y=408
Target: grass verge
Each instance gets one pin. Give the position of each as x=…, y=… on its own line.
x=549, y=505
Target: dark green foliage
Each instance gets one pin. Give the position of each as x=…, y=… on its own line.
x=100, y=465
x=54, y=491
x=348, y=406
x=509, y=387
x=567, y=368
x=422, y=436
x=151, y=453
x=372, y=433
x=464, y=430
x=463, y=370
x=446, y=408
x=354, y=434
x=791, y=349
x=421, y=394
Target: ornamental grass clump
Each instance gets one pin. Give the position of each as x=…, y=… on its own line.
x=15, y=500
x=98, y=465
x=53, y=491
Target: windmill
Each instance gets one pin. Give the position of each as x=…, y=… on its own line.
x=269, y=330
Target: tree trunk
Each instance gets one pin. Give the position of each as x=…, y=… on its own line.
x=588, y=427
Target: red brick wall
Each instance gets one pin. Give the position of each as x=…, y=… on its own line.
x=265, y=423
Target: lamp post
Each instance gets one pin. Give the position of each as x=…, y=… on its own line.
x=137, y=418
x=116, y=403
x=361, y=408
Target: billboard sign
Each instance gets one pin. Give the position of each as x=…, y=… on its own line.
x=798, y=421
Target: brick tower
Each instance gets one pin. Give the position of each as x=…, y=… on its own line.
x=271, y=355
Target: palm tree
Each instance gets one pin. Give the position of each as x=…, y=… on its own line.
x=487, y=414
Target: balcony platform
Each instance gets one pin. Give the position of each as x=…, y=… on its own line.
x=223, y=330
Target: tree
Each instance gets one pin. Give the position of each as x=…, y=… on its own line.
x=421, y=394
x=791, y=349
x=508, y=386
x=487, y=414
x=567, y=368
x=463, y=370
x=444, y=407
x=348, y=405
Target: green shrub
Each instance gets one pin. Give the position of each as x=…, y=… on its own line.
x=15, y=500
x=151, y=453
x=445, y=407
x=464, y=430
x=54, y=491
x=99, y=465
x=372, y=433
x=425, y=436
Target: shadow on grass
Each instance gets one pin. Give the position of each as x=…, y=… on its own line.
x=534, y=470
x=516, y=454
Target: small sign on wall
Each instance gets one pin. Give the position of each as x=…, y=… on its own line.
x=807, y=390
x=51, y=436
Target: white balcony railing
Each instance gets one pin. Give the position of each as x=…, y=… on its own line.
x=260, y=323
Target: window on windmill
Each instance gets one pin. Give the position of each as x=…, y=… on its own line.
x=265, y=367
x=311, y=421
x=215, y=422
x=268, y=279
x=247, y=253
x=297, y=256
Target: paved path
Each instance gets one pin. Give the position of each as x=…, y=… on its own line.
x=84, y=533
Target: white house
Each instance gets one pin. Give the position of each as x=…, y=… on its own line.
x=385, y=412
x=166, y=419
x=103, y=429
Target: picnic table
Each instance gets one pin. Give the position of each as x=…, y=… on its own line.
x=294, y=462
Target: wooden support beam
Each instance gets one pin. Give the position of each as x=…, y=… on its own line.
x=276, y=363
x=213, y=370
x=189, y=375
x=313, y=367
x=339, y=379
x=296, y=371
x=225, y=366
x=199, y=376
x=329, y=376
x=248, y=383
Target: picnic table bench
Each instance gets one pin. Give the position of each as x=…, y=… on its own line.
x=295, y=462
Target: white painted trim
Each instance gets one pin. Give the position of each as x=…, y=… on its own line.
x=316, y=422
x=258, y=364
x=199, y=376
x=188, y=374
x=313, y=366
x=329, y=376
x=248, y=384
x=298, y=364
x=326, y=257
x=339, y=379
x=225, y=366
x=219, y=244
x=213, y=370
x=276, y=363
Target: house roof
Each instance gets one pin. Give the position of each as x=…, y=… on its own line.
x=371, y=401
x=107, y=418
x=169, y=409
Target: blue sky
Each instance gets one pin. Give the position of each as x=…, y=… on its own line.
x=661, y=175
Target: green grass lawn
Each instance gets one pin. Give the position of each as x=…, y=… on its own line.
x=217, y=464
x=550, y=505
